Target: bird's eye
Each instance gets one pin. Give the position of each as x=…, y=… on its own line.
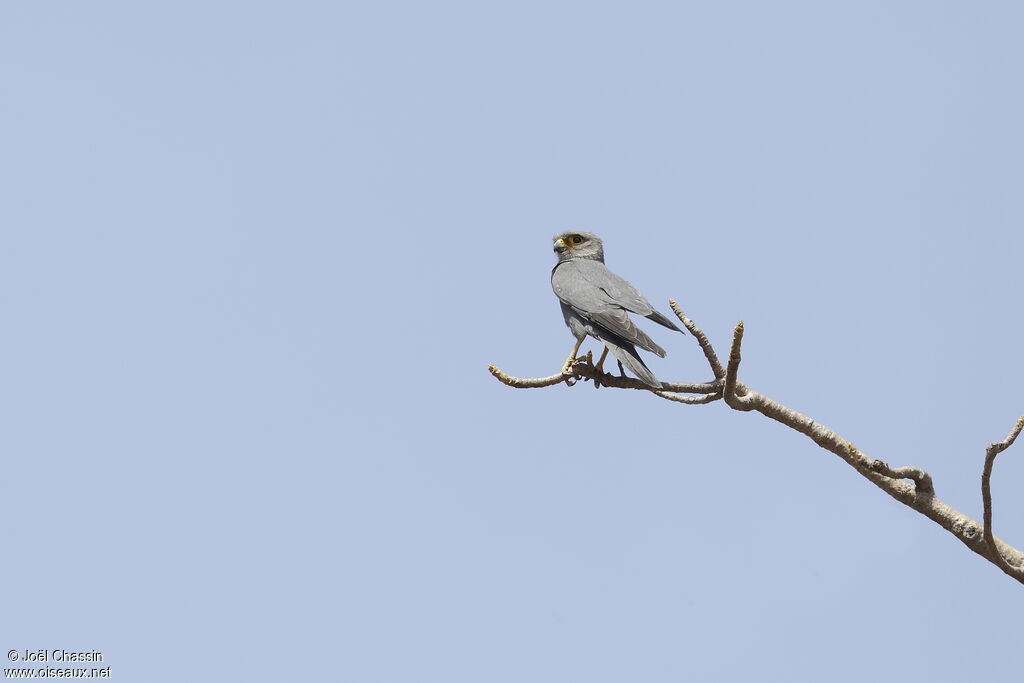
x=576, y=239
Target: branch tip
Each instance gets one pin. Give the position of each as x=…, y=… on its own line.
x=523, y=382
x=1001, y=446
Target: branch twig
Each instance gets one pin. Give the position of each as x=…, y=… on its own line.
x=691, y=400
x=705, y=345
x=526, y=383
x=735, y=392
x=986, y=497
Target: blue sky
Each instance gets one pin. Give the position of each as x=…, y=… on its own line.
x=257, y=257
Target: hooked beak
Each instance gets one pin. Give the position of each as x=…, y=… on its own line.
x=560, y=245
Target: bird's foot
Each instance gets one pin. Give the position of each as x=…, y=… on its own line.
x=570, y=362
x=572, y=377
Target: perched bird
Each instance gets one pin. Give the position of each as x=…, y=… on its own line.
x=598, y=302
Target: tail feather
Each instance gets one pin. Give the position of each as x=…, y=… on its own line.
x=627, y=355
x=645, y=343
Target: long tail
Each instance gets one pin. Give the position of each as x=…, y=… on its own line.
x=626, y=353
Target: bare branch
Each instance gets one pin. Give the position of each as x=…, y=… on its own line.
x=691, y=400
x=584, y=369
x=986, y=498
x=734, y=392
x=690, y=388
x=526, y=383
x=919, y=495
x=705, y=345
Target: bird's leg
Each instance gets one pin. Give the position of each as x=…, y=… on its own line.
x=572, y=358
x=600, y=369
x=622, y=370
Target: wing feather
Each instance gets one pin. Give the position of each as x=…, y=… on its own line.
x=600, y=297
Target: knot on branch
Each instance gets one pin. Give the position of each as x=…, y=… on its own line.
x=965, y=527
x=922, y=480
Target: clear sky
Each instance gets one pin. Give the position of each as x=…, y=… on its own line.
x=257, y=256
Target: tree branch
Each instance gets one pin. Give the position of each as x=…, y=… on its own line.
x=691, y=400
x=991, y=452
x=917, y=493
x=705, y=345
x=735, y=393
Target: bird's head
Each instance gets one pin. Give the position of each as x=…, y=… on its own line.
x=574, y=245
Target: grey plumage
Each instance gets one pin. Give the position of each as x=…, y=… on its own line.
x=597, y=302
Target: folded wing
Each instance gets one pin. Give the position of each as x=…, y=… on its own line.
x=601, y=297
